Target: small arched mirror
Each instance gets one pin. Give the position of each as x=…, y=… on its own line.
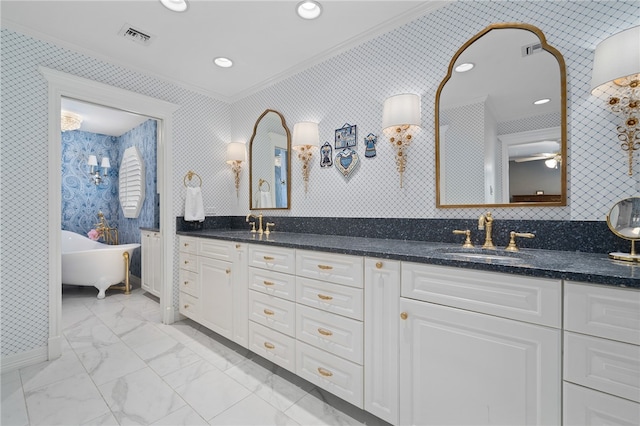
x=498, y=142
x=269, y=170
x=624, y=221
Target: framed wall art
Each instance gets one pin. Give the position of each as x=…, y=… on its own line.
x=326, y=155
x=346, y=136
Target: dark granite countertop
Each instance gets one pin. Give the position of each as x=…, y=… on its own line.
x=575, y=266
x=144, y=228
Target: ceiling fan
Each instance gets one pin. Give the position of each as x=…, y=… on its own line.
x=551, y=159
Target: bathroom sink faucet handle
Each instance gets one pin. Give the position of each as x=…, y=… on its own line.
x=512, y=241
x=267, y=231
x=467, y=241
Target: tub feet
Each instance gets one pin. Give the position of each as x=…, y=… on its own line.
x=102, y=285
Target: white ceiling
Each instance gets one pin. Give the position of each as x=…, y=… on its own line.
x=266, y=39
x=101, y=119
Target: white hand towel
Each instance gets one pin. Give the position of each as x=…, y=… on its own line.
x=193, y=206
x=265, y=200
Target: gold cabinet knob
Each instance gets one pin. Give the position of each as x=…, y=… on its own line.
x=237, y=246
x=186, y=244
x=404, y=315
x=186, y=262
x=186, y=283
x=228, y=271
x=379, y=265
x=186, y=306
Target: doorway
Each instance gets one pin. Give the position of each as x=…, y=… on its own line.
x=63, y=85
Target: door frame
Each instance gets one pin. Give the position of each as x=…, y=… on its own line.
x=61, y=84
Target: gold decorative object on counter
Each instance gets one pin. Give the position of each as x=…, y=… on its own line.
x=624, y=221
x=512, y=241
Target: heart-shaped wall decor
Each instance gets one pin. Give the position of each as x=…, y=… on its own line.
x=346, y=161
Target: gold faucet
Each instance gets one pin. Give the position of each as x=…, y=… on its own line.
x=108, y=234
x=486, y=222
x=259, y=217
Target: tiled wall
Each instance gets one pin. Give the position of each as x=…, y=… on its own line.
x=349, y=88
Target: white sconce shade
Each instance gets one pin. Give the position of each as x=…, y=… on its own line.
x=401, y=110
x=105, y=163
x=236, y=152
x=93, y=160
x=305, y=133
x=616, y=57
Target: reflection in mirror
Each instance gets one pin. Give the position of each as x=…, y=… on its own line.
x=624, y=221
x=269, y=170
x=494, y=146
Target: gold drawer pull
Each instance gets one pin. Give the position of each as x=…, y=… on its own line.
x=404, y=315
x=268, y=312
x=186, y=283
x=237, y=246
x=325, y=372
x=267, y=258
x=186, y=244
x=325, y=267
x=325, y=332
x=324, y=297
x=269, y=345
x=379, y=265
x=186, y=306
x=268, y=283
x=186, y=262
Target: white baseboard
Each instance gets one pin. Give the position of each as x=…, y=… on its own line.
x=24, y=359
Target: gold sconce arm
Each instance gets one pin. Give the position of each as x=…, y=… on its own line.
x=305, y=154
x=236, y=154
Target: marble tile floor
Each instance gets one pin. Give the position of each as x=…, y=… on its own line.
x=121, y=366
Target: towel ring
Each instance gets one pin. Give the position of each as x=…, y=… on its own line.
x=190, y=174
x=260, y=182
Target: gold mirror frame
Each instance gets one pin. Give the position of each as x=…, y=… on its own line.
x=633, y=256
x=563, y=114
x=253, y=188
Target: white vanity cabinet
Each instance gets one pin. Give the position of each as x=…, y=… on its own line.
x=213, y=290
x=151, y=256
x=601, y=355
x=272, y=307
x=329, y=323
x=381, y=355
x=478, y=347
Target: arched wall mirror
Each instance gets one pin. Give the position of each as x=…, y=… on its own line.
x=269, y=165
x=495, y=146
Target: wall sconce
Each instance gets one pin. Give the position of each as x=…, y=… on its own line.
x=95, y=174
x=400, y=119
x=236, y=154
x=617, y=61
x=69, y=121
x=306, y=137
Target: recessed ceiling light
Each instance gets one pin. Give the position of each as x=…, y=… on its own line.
x=175, y=5
x=309, y=9
x=223, y=62
x=541, y=101
x=464, y=67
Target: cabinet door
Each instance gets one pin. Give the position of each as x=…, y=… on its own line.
x=155, y=264
x=145, y=258
x=240, y=295
x=381, y=316
x=460, y=367
x=216, y=295
x=587, y=407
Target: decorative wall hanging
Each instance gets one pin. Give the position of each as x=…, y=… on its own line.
x=370, y=144
x=346, y=136
x=326, y=155
x=346, y=161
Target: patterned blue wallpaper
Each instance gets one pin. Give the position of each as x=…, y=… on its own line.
x=82, y=199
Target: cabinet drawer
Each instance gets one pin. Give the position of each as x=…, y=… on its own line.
x=534, y=300
x=336, y=375
x=273, y=283
x=189, y=282
x=604, y=365
x=272, y=312
x=586, y=407
x=188, y=245
x=339, y=299
x=274, y=346
x=188, y=261
x=189, y=306
x=609, y=312
x=216, y=249
x=335, y=334
x=272, y=258
x=340, y=269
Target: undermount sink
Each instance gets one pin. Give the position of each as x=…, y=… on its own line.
x=500, y=257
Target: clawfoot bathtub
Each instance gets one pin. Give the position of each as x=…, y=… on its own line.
x=90, y=263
